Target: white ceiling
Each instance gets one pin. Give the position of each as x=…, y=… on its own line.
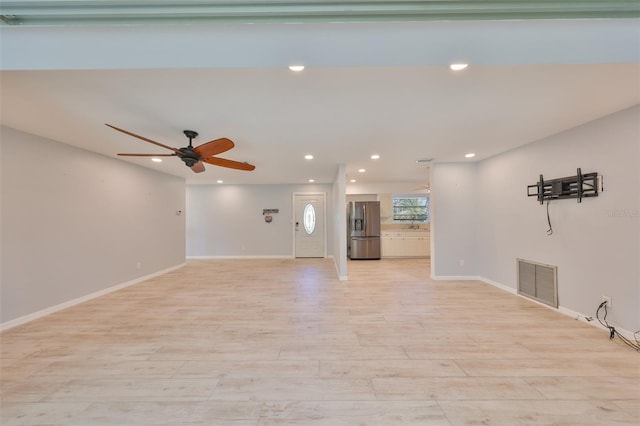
x=368, y=88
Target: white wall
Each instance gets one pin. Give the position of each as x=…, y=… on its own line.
x=340, y=222
x=74, y=223
x=227, y=220
x=454, y=220
x=595, y=244
x=482, y=211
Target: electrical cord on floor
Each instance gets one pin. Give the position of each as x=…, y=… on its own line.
x=550, y=230
x=613, y=332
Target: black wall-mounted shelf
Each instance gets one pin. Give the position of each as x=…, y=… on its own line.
x=578, y=186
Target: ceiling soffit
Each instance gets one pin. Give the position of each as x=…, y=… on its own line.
x=96, y=12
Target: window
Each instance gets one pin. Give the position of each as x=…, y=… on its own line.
x=309, y=219
x=415, y=209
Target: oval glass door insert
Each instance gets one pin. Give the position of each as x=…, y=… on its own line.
x=309, y=219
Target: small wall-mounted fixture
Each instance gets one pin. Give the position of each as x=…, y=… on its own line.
x=267, y=214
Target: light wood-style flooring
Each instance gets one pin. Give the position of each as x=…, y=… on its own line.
x=283, y=342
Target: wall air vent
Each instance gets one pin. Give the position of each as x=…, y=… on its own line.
x=538, y=281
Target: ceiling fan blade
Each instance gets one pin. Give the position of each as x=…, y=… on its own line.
x=198, y=167
x=215, y=147
x=223, y=162
x=147, y=155
x=143, y=138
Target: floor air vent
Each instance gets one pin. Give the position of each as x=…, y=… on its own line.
x=538, y=281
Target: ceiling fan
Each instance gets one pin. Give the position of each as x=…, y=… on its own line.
x=194, y=157
x=423, y=188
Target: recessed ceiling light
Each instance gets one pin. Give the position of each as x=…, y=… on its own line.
x=352, y=181
x=156, y=160
x=458, y=67
x=220, y=181
x=375, y=156
x=311, y=180
x=470, y=155
x=361, y=170
x=296, y=68
x=308, y=157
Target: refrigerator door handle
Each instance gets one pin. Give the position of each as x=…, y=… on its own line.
x=364, y=218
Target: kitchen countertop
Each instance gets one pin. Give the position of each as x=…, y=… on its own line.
x=404, y=228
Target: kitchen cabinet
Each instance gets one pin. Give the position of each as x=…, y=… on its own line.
x=417, y=244
x=405, y=244
x=386, y=245
x=412, y=246
x=392, y=244
x=425, y=248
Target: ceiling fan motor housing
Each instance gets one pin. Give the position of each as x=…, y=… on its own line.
x=188, y=156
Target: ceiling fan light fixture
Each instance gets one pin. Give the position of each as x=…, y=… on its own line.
x=361, y=170
x=311, y=180
x=352, y=181
x=470, y=155
x=220, y=181
x=375, y=157
x=296, y=68
x=308, y=157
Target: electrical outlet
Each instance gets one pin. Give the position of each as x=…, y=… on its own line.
x=608, y=300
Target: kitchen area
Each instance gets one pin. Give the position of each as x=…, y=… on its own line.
x=388, y=225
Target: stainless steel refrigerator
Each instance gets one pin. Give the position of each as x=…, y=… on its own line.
x=364, y=229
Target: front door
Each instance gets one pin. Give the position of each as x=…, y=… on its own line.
x=309, y=225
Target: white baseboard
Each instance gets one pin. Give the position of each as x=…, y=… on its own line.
x=335, y=264
x=455, y=277
x=47, y=311
x=502, y=287
x=284, y=256
x=561, y=309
